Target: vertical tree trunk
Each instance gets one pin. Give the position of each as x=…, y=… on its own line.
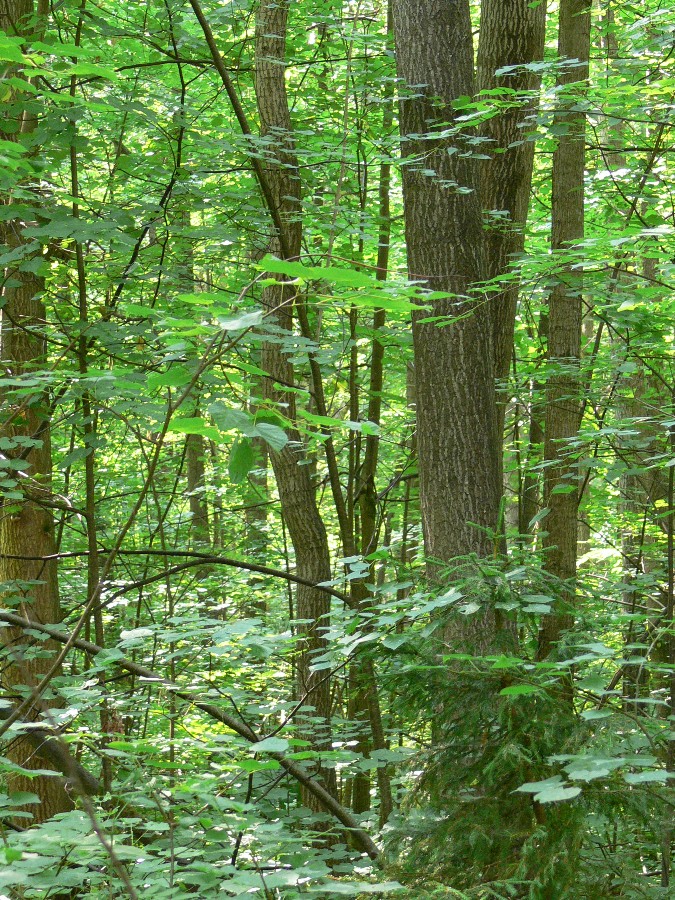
x=563, y=407
x=296, y=490
x=365, y=700
x=26, y=523
x=458, y=444
x=195, y=445
x=195, y=451
x=511, y=34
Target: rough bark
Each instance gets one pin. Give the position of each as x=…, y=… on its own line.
x=511, y=34
x=458, y=444
x=563, y=408
x=26, y=523
x=294, y=483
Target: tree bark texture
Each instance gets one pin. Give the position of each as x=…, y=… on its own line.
x=511, y=34
x=563, y=407
x=456, y=425
x=26, y=522
x=294, y=483
x=458, y=444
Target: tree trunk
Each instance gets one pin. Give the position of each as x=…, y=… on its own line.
x=563, y=407
x=294, y=483
x=195, y=452
x=26, y=523
x=511, y=34
x=458, y=444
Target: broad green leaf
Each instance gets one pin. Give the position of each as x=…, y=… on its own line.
x=593, y=714
x=556, y=794
x=135, y=634
x=270, y=745
x=241, y=322
x=242, y=460
x=19, y=798
x=93, y=71
x=176, y=376
x=519, y=690
x=258, y=765
x=194, y=425
x=273, y=435
x=10, y=48
x=231, y=419
x=333, y=274
x=352, y=888
x=658, y=777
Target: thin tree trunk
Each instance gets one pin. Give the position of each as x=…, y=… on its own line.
x=195, y=452
x=563, y=407
x=296, y=490
x=365, y=700
x=511, y=34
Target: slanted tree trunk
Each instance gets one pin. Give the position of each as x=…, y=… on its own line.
x=563, y=405
x=26, y=524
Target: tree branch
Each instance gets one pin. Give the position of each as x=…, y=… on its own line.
x=294, y=769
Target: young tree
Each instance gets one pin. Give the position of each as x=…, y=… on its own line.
x=563, y=406
x=293, y=478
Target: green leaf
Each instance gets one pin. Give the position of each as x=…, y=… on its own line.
x=273, y=435
x=242, y=460
x=270, y=745
x=551, y=790
x=652, y=776
x=352, y=888
x=229, y=419
x=556, y=794
x=258, y=765
x=333, y=274
x=10, y=49
x=94, y=71
x=194, y=425
x=134, y=635
x=176, y=376
x=519, y=690
x=394, y=641
x=20, y=798
x=241, y=322
x=593, y=714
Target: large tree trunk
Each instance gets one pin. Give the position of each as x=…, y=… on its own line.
x=563, y=407
x=26, y=523
x=458, y=444
x=294, y=482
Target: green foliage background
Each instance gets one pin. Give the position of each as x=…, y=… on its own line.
x=503, y=788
